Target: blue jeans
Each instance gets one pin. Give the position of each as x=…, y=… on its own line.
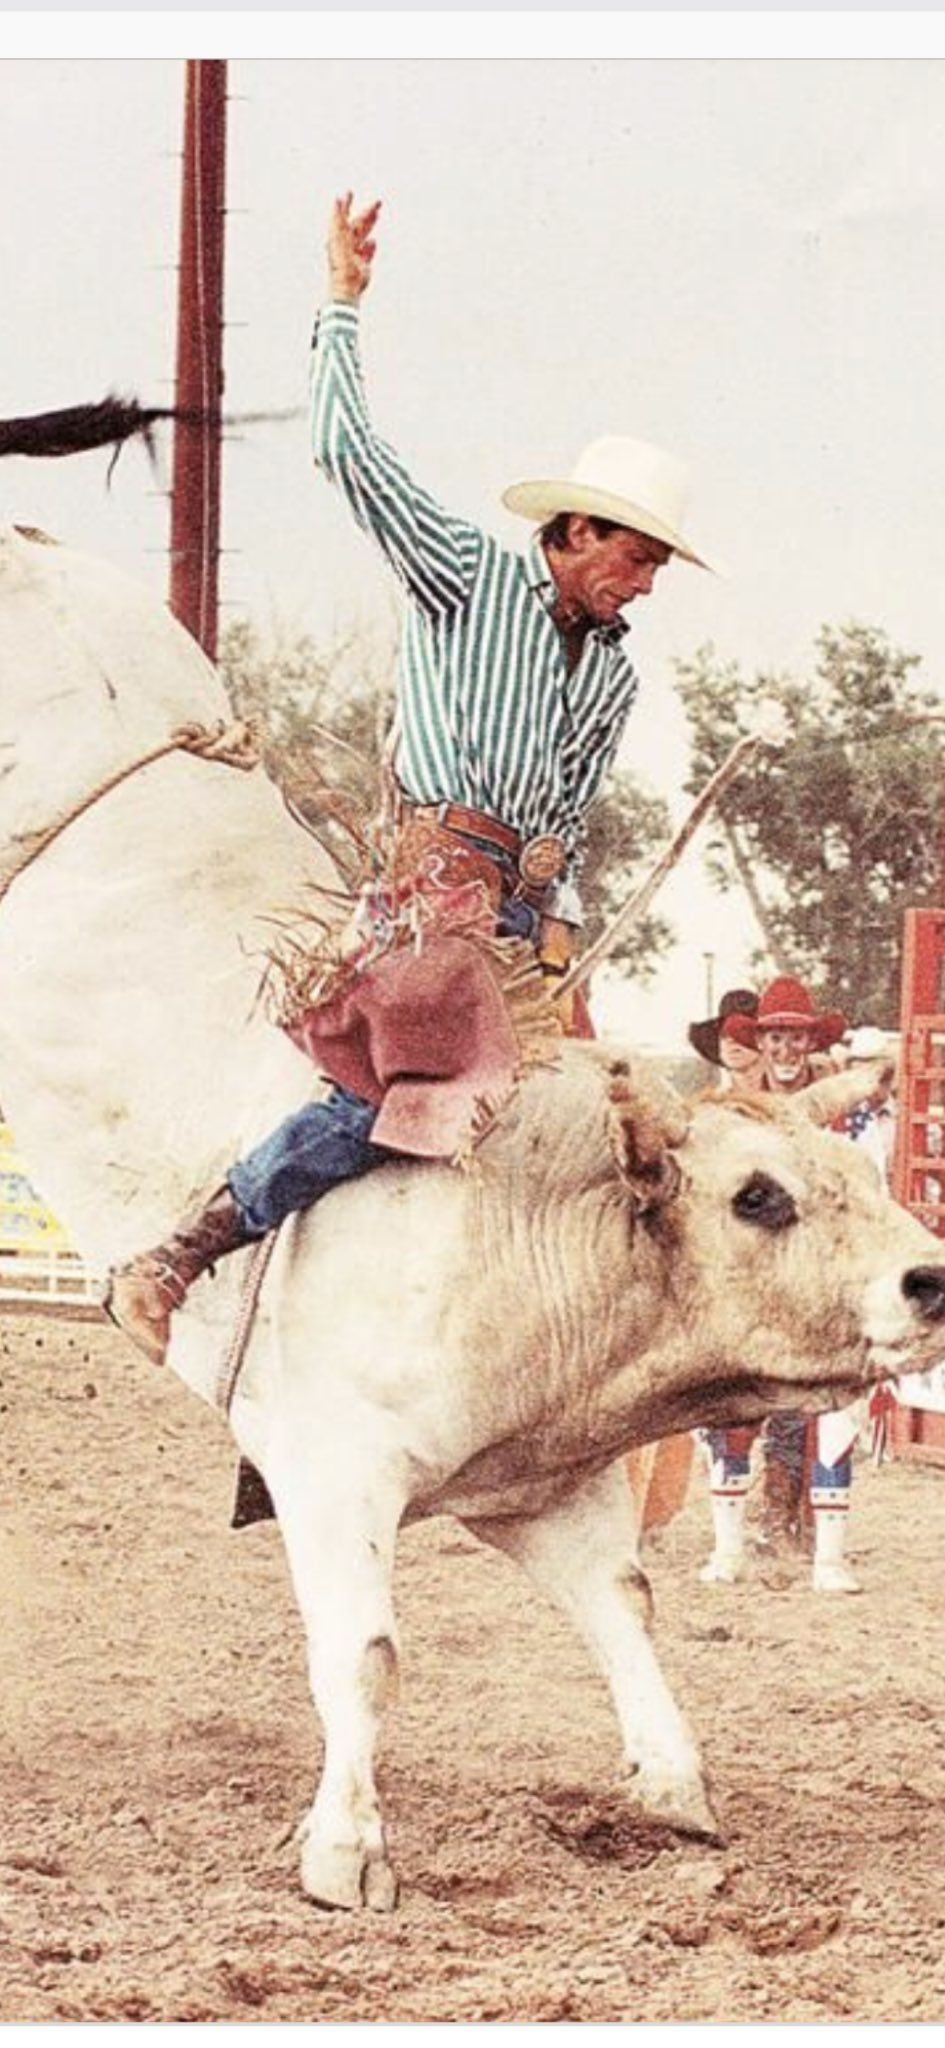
x=320, y=1145
x=326, y=1142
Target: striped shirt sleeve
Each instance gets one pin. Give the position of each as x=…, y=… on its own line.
x=434, y=554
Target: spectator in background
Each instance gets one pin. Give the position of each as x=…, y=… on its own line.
x=714, y=1041
x=787, y=1033
x=872, y=1123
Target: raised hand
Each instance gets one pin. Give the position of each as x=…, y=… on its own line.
x=351, y=248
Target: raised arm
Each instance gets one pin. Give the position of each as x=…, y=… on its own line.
x=434, y=554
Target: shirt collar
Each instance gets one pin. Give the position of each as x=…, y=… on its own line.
x=539, y=578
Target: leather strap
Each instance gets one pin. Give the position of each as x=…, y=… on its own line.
x=231, y=1363
x=459, y=818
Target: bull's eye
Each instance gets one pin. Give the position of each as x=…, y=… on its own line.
x=764, y=1201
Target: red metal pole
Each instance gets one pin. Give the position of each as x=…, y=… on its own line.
x=195, y=491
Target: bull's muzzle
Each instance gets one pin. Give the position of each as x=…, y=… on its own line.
x=902, y=1316
x=924, y=1289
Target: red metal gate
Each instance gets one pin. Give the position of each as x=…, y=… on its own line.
x=919, y=1160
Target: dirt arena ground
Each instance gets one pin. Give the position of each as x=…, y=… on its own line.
x=158, y=1743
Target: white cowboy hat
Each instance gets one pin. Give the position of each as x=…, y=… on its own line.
x=630, y=482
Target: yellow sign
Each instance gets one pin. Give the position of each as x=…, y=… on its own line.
x=26, y=1225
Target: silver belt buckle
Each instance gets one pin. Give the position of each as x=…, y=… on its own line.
x=541, y=860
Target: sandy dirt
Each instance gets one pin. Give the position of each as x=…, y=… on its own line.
x=158, y=1743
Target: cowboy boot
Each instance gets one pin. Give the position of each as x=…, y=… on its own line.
x=144, y=1292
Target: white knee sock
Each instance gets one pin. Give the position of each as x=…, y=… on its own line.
x=831, y=1506
x=727, y=1499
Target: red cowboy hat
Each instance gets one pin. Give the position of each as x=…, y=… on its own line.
x=786, y=1005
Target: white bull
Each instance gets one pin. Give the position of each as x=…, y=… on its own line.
x=427, y=1342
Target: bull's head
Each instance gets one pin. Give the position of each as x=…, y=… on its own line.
x=798, y=1281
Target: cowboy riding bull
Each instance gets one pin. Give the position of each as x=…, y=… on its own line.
x=613, y=1267
x=487, y=1343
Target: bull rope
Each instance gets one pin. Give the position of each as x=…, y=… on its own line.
x=235, y=746
x=231, y=1364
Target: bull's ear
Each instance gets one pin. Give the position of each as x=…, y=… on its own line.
x=647, y=1119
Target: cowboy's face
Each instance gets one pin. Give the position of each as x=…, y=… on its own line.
x=743, y=1062
x=785, y=1057
x=611, y=569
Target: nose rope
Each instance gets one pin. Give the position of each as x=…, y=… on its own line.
x=234, y=746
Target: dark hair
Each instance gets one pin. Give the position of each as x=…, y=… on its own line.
x=554, y=533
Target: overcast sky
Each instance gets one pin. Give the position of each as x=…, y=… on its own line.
x=741, y=260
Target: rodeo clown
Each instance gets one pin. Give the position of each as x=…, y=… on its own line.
x=776, y=1044
x=515, y=686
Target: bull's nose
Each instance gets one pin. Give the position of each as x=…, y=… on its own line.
x=924, y=1288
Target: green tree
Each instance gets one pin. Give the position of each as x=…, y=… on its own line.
x=835, y=832
x=628, y=827
x=325, y=718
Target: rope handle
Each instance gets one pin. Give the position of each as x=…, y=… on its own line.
x=234, y=746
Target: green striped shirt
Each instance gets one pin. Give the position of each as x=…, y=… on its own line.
x=488, y=714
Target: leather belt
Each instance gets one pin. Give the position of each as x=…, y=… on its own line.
x=459, y=818
x=539, y=861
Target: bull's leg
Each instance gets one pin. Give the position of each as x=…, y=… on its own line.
x=583, y=1554
x=339, y=1511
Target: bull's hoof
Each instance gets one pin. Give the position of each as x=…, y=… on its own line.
x=683, y=1807
x=379, y=1883
x=332, y=1876
x=345, y=1876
